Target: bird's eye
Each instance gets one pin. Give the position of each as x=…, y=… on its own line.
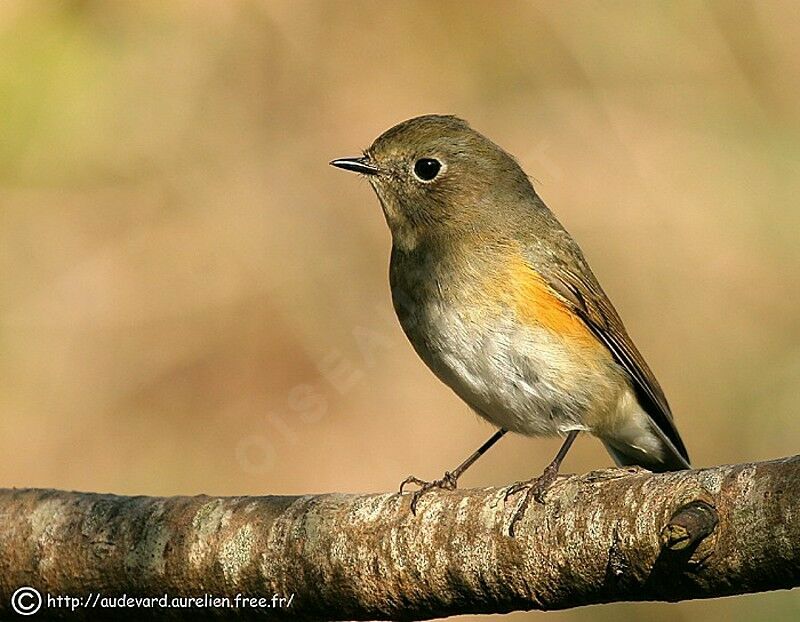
x=426, y=169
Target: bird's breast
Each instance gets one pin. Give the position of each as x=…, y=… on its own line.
x=504, y=344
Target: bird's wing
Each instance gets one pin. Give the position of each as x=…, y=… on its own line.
x=591, y=304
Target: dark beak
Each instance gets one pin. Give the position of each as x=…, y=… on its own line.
x=357, y=165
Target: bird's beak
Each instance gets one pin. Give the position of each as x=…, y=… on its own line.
x=357, y=165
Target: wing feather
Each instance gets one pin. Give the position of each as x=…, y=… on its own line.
x=590, y=302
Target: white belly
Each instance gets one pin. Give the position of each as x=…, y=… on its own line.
x=523, y=379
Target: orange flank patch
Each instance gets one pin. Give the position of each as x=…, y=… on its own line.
x=537, y=304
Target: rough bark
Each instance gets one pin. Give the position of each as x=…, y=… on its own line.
x=605, y=536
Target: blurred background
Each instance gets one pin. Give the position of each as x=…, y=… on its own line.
x=193, y=301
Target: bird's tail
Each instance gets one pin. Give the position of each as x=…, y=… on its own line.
x=670, y=459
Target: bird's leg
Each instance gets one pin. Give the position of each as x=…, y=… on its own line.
x=537, y=487
x=450, y=479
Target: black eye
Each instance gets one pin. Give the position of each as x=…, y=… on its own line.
x=427, y=169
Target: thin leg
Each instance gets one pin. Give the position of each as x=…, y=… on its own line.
x=538, y=487
x=450, y=479
x=459, y=470
x=555, y=465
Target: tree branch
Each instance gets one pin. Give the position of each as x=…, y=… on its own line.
x=606, y=536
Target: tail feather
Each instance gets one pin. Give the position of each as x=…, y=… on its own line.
x=669, y=460
x=636, y=439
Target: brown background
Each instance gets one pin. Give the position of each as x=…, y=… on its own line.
x=192, y=301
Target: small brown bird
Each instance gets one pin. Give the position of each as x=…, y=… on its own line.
x=498, y=300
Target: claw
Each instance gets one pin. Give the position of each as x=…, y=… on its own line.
x=448, y=482
x=411, y=480
x=536, y=490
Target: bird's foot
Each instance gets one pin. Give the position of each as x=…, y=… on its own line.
x=448, y=482
x=535, y=489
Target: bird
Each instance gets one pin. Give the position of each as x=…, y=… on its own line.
x=498, y=300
